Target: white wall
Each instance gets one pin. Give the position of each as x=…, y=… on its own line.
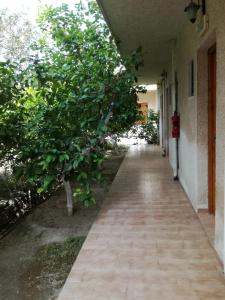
x=193, y=113
x=151, y=98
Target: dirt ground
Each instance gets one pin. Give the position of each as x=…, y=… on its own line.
x=30, y=267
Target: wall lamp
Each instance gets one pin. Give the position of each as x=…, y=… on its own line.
x=192, y=10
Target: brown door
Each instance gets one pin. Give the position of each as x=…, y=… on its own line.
x=211, y=128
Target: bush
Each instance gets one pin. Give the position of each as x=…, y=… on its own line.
x=150, y=130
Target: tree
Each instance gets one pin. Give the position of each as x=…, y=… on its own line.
x=150, y=130
x=76, y=91
x=16, y=35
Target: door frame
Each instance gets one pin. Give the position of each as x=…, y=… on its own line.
x=211, y=128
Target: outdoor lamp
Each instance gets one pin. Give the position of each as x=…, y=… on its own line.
x=192, y=10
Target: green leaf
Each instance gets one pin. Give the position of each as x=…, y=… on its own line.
x=64, y=157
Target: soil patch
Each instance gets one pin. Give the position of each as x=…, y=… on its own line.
x=36, y=257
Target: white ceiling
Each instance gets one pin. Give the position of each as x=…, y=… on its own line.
x=152, y=24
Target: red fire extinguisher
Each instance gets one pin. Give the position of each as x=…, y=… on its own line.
x=175, y=125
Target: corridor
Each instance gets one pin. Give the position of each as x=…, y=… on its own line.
x=147, y=242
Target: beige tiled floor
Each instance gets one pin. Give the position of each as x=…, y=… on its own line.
x=208, y=223
x=147, y=242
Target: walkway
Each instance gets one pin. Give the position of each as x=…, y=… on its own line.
x=147, y=242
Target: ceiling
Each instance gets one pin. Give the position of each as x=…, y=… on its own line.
x=152, y=24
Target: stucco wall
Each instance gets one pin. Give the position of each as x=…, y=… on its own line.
x=151, y=98
x=193, y=112
x=185, y=52
x=218, y=13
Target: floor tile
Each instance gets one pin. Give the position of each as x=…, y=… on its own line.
x=147, y=243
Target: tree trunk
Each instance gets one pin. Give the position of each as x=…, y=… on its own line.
x=69, y=196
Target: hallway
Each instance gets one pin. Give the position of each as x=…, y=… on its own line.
x=147, y=242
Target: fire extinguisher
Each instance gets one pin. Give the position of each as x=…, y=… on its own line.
x=175, y=125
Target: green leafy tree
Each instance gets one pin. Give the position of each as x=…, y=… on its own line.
x=76, y=91
x=16, y=35
x=150, y=130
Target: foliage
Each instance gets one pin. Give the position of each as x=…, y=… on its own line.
x=57, y=254
x=76, y=91
x=16, y=200
x=150, y=130
x=16, y=35
x=55, y=259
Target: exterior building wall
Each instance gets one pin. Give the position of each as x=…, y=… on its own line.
x=171, y=82
x=193, y=143
x=185, y=52
x=151, y=98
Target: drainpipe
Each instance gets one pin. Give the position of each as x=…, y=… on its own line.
x=175, y=106
x=176, y=176
x=164, y=119
x=163, y=114
x=162, y=136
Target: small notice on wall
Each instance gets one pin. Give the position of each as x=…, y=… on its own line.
x=202, y=23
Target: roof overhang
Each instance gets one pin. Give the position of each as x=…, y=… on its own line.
x=152, y=24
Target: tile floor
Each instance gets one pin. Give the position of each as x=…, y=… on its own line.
x=147, y=242
x=208, y=222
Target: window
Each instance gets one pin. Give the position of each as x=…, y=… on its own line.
x=191, y=81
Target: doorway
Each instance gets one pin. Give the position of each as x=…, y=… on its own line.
x=211, y=128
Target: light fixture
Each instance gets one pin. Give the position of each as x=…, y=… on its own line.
x=192, y=10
